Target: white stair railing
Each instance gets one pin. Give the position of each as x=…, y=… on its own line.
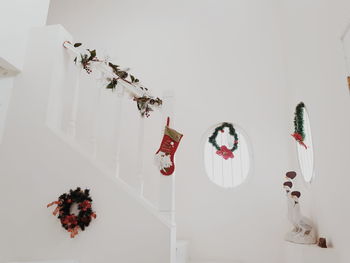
x=118, y=130
x=141, y=139
x=67, y=105
x=73, y=116
x=78, y=129
x=96, y=105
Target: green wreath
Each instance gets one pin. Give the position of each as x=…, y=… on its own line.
x=223, y=151
x=299, y=133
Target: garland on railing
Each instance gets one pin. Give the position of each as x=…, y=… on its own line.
x=223, y=151
x=299, y=133
x=115, y=75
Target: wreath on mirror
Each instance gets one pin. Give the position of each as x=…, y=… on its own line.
x=299, y=133
x=72, y=222
x=223, y=151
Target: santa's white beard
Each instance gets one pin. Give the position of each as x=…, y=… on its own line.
x=162, y=160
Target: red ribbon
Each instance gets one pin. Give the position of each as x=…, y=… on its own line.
x=299, y=139
x=225, y=152
x=57, y=209
x=73, y=231
x=53, y=203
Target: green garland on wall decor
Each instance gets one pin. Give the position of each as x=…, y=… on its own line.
x=299, y=133
x=223, y=151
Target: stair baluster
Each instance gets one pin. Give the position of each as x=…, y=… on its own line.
x=73, y=118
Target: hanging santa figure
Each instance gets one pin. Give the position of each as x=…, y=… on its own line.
x=165, y=155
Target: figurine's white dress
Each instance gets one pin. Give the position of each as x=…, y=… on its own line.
x=303, y=231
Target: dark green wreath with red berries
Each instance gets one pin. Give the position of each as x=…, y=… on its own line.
x=223, y=151
x=69, y=221
x=299, y=133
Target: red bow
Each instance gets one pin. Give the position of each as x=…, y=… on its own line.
x=299, y=139
x=225, y=152
x=73, y=231
x=58, y=203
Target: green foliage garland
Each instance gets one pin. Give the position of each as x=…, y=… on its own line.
x=232, y=131
x=299, y=134
x=122, y=75
x=299, y=120
x=145, y=103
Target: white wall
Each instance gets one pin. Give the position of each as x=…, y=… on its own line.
x=36, y=167
x=5, y=97
x=17, y=17
x=224, y=62
x=316, y=73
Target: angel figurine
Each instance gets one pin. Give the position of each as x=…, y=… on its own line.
x=303, y=231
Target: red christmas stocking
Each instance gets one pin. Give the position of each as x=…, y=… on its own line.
x=165, y=155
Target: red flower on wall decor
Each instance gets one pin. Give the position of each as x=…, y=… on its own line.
x=69, y=220
x=225, y=152
x=299, y=138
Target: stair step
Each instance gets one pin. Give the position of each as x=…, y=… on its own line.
x=182, y=253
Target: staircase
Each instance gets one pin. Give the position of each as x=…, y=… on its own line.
x=61, y=110
x=106, y=150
